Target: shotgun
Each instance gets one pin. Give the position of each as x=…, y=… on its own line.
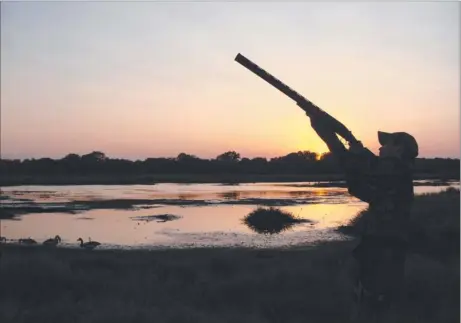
x=310, y=108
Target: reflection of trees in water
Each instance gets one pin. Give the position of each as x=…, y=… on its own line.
x=234, y=195
x=321, y=192
x=300, y=193
x=271, y=220
x=318, y=192
x=274, y=229
x=252, y=194
x=159, y=218
x=187, y=196
x=237, y=195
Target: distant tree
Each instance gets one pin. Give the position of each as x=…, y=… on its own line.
x=183, y=157
x=229, y=156
x=259, y=160
x=301, y=162
x=9, y=166
x=190, y=164
x=95, y=156
x=256, y=165
x=307, y=155
x=71, y=158
x=298, y=157
x=326, y=156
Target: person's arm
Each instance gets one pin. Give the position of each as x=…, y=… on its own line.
x=330, y=138
x=362, y=176
x=359, y=165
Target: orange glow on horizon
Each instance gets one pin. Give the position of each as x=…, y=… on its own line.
x=164, y=81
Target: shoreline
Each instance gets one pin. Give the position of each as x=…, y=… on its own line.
x=225, y=179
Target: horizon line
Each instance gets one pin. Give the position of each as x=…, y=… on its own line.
x=189, y=154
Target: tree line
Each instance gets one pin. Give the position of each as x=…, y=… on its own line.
x=301, y=162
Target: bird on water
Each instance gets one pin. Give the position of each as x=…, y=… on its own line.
x=90, y=245
x=27, y=241
x=53, y=241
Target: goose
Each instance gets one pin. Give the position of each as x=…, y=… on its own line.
x=27, y=241
x=52, y=242
x=90, y=245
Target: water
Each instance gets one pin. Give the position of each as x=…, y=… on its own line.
x=208, y=214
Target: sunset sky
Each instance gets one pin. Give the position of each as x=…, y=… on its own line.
x=151, y=79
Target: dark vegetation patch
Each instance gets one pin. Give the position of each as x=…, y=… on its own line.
x=271, y=220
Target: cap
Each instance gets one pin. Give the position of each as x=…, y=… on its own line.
x=400, y=138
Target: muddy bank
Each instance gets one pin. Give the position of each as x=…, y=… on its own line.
x=136, y=204
x=158, y=218
x=342, y=184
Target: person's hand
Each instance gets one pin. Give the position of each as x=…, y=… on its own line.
x=356, y=148
x=315, y=123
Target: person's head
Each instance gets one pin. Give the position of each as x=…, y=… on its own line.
x=398, y=145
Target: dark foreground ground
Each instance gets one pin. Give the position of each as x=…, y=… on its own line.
x=206, y=285
x=228, y=285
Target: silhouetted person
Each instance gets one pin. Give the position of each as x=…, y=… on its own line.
x=385, y=182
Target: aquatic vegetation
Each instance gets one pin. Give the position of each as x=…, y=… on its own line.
x=159, y=218
x=271, y=220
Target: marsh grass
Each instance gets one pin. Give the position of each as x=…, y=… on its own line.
x=158, y=218
x=434, y=223
x=307, y=284
x=271, y=220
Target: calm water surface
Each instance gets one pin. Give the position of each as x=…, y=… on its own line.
x=215, y=220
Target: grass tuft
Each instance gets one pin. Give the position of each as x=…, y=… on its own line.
x=271, y=220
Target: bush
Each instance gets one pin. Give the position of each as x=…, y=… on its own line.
x=271, y=220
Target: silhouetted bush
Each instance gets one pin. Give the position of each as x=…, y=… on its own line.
x=271, y=220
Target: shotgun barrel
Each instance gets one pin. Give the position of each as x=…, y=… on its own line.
x=310, y=108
